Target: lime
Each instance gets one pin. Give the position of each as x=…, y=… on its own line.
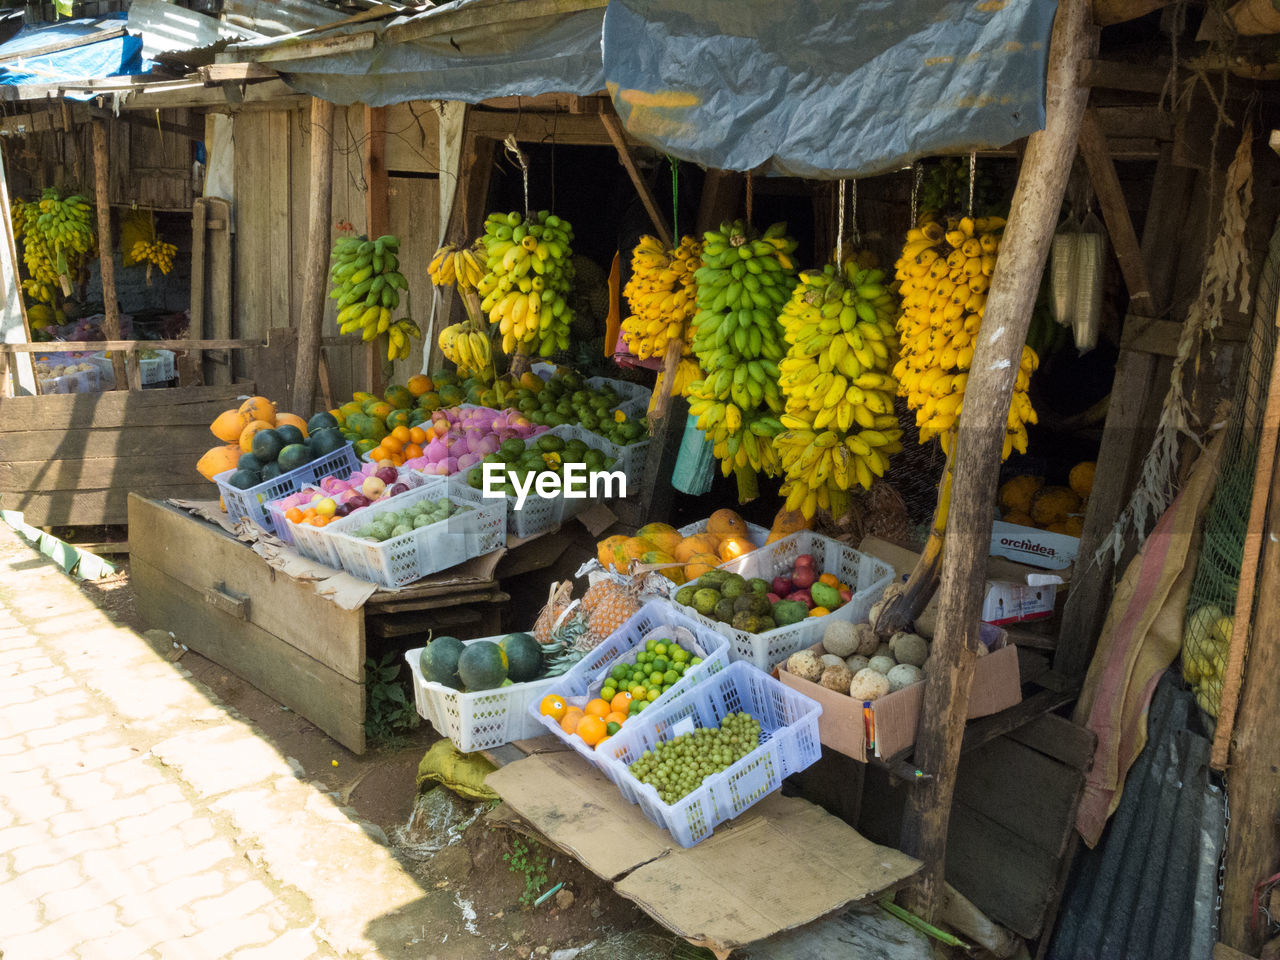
x=653, y=694
x=641, y=706
x=669, y=677
x=612, y=727
x=655, y=677
x=660, y=649
x=660, y=664
x=695, y=661
x=680, y=655
x=619, y=671
x=651, y=645
x=636, y=705
x=608, y=693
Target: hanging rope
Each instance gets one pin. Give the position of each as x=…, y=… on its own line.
x=751, y=197
x=516, y=154
x=917, y=172
x=853, y=213
x=973, y=175
x=840, y=226
x=675, y=200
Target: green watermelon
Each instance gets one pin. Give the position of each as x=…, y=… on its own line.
x=439, y=661
x=248, y=462
x=321, y=421
x=289, y=434
x=270, y=470
x=326, y=440
x=267, y=445
x=482, y=666
x=524, y=657
x=244, y=479
x=294, y=456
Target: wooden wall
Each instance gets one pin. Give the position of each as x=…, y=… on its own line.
x=271, y=175
x=74, y=458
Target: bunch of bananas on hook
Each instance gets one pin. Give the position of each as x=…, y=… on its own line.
x=453, y=266
x=366, y=283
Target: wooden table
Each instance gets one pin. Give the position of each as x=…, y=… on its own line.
x=225, y=602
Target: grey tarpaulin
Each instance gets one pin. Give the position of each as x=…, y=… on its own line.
x=820, y=88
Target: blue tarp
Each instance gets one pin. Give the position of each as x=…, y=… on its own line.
x=116, y=56
x=812, y=88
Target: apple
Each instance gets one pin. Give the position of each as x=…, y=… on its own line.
x=343, y=510
x=395, y=488
x=326, y=506
x=782, y=586
x=803, y=577
x=359, y=501
x=387, y=474
x=773, y=597
x=803, y=596
x=805, y=560
x=373, y=487
x=846, y=596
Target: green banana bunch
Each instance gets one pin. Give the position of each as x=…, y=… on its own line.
x=526, y=287
x=839, y=419
x=58, y=238
x=744, y=280
x=366, y=283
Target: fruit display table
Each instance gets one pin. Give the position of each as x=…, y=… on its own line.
x=221, y=599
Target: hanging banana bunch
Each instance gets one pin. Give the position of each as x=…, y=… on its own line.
x=467, y=348
x=662, y=296
x=945, y=270
x=460, y=267
x=744, y=280
x=57, y=239
x=366, y=283
x=839, y=419
x=526, y=286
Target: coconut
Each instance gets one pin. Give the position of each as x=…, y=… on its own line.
x=837, y=678
x=867, y=639
x=904, y=675
x=830, y=660
x=910, y=648
x=805, y=665
x=867, y=684
x=856, y=662
x=840, y=638
x=883, y=650
x=881, y=664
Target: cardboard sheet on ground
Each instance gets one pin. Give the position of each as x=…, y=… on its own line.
x=347, y=591
x=781, y=864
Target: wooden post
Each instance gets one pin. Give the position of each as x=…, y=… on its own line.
x=613, y=124
x=106, y=263
x=377, y=219
x=195, y=307
x=1024, y=248
x=1252, y=848
x=315, y=267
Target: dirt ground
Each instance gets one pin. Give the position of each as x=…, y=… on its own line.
x=380, y=787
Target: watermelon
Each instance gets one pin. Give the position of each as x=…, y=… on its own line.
x=524, y=657
x=289, y=434
x=267, y=445
x=439, y=661
x=249, y=462
x=321, y=421
x=294, y=456
x=327, y=440
x=482, y=666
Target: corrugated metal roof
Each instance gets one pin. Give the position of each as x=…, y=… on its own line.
x=1150, y=887
x=275, y=18
x=167, y=28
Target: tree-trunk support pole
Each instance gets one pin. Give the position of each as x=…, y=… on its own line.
x=315, y=268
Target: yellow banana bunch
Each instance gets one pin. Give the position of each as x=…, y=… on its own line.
x=839, y=419
x=366, y=283
x=661, y=295
x=449, y=265
x=944, y=271
x=526, y=286
x=57, y=239
x=744, y=280
x=467, y=348
x=155, y=252
x=400, y=336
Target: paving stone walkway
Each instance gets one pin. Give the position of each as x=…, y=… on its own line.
x=141, y=818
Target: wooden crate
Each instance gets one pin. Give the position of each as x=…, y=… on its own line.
x=301, y=649
x=74, y=458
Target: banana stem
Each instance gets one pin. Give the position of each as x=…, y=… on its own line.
x=900, y=611
x=520, y=363
x=748, y=483
x=471, y=304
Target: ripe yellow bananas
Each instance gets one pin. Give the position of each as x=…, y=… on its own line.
x=841, y=427
x=661, y=295
x=449, y=265
x=529, y=272
x=399, y=337
x=367, y=284
x=467, y=348
x=57, y=240
x=944, y=271
x=156, y=252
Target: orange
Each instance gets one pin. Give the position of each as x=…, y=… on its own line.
x=412, y=451
x=829, y=579
x=819, y=612
x=397, y=460
x=418, y=435
x=227, y=426
x=552, y=705
x=293, y=515
x=569, y=722
x=392, y=444
x=731, y=548
x=246, y=435
x=592, y=729
x=419, y=384
x=218, y=460
x=616, y=717
x=621, y=702
x=378, y=454
x=598, y=708
x=402, y=434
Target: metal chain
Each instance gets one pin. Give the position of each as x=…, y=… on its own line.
x=973, y=174
x=917, y=179
x=840, y=227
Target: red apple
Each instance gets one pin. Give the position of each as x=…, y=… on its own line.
x=343, y=510
x=803, y=577
x=782, y=586
x=803, y=596
x=396, y=488
x=358, y=501
x=387, y=474
x=773, y=597
x=805, y=560
x=846, y=596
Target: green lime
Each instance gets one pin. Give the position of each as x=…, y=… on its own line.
x=619, y=671
x=695, y=661
x=660, y=649
x=653, y=694
x=655, y=677
x=679, y=654
x=670, y=677
x=612, y=727
x=641, y=705
x=651, y=645
x=608, y=693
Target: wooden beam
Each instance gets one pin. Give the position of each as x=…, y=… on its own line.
x=1108, y=12
x=377, y=219
x=1252, y=848
x=1014, y=285
x=188, y=130
x=216, y=73
x=324, y=47
x=107, y=30
x=613, y=124
x=195, y=307
x=1124, y=239
x=316, y=262
x=565, y=128
x=111, y=321
x=129, y=346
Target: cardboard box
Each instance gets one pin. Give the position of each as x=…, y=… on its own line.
x=1029, y=545
x=1015, y=592
x=887, y=727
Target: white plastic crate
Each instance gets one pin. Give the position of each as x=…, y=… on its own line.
x=479, y=720
x=865, y=575
x=631, y=396
x=755, y=533
x=424, y=550
x=788, y=743
x=252, y=503
x=594, y=570
x=585, y=678
x=310, y=541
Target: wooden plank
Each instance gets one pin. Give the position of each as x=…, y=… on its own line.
x=1160, y=337
x=281, y=216
x=74, y=474
x=413, y=139
x=1033, y=216
x=613, y=126
x=219, y=304
x=1058, y=737
x=323, y=47
x=987, y=729
x=204, y=557
x=377, y=218
x=1006, y=877
x=60, y=508
x=132, y=346
x=1022, y=790
x=216, y=73
x=566, y=128
x=104, y=30
x=177, y=405
x=195, y=310
x=308, y=688
x=1108, y=12
x=1223, y=952
x=189, y=440
x=111, y=323
x=414, y=218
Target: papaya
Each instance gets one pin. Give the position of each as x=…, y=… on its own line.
x=258, y=408
x=699, y=564
x=732, y=547
x=605, y=550
x=662, y=535
x=218, y=460
x=785, y=523
x=726, y=523
x=419, y=384
x=399, y=397
x=227, y=426
x=656, y=556
x=687, y=548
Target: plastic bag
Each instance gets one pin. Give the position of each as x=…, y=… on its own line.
x=695, y=464
x=1077, y=261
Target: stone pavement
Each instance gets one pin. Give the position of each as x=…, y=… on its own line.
x=141, y=818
